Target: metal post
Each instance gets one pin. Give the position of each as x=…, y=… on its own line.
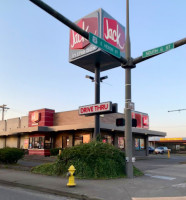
x=97, y=100
x=127, y=113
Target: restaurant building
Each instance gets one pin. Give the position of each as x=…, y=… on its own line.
x=44, y=129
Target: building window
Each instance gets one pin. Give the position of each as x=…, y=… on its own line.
x=121, y=143
x=139, y=144
x=40, y=142
x=48, y=142
x=65, y=142
x=107, y=139
x=78, y=140
x=36, y=142
x=86, y=138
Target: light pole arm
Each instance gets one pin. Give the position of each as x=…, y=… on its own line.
x=176, y=44
x=60, y=17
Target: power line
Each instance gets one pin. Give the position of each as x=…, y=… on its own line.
x=3, y=110
x=176, y=110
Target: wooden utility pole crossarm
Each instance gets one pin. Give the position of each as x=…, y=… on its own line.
x=3, y=110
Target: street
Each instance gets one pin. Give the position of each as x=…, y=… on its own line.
x=10, y=193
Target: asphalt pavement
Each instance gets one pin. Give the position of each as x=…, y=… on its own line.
x=12, y=193
x=163, y=178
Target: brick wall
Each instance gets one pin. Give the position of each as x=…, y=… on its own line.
x=70, y=118
x=2, y=126
x=11, y=141
x=110, y=118
x=13, y=124
x=24, y=122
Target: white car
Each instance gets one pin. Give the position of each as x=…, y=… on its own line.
x=161, y=150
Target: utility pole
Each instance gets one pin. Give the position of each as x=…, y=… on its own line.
x=3, y=110
x=127, y=112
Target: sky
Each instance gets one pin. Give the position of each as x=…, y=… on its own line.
x=35, y=71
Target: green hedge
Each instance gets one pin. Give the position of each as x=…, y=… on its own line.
x=92, y=160
x=55, y=151
x=10, y=155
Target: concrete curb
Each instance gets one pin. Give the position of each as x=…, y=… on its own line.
x=48, y=191
x=161, y=198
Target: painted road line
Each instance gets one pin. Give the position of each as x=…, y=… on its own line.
x=180, y=185
x=160, y=198
x=161, y=177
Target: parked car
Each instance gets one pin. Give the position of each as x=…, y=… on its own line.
x=159, y=150
x=151, y=149
x=166, y=150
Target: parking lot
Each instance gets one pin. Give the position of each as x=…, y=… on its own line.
x=160, y=161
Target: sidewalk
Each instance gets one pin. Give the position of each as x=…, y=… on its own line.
x=171, y=181
x=114, y=189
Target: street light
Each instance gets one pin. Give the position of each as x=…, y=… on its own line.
x=92, y=78
x=103, y=78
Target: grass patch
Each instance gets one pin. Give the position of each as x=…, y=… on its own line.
x=137, y=172
x=45, y=169
x=50, y=170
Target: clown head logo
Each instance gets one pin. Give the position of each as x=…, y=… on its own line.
x=35, y=117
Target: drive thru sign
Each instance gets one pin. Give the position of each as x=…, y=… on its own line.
x=95, y=108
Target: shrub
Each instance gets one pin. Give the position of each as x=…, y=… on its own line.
x=55, y=151
x=93, y=160
x=10, y=155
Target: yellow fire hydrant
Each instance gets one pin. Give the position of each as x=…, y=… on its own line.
x=168, y=154
x=70, y=174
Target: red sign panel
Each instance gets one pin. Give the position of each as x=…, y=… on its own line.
x=88, y=25
x=114, y=33
x=145, y=121
x=42, y=117
x=142, y=119
x=95, y=108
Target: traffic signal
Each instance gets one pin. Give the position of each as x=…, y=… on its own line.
x=121, y=122
x=134, y=122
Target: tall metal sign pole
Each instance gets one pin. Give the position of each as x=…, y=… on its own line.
x=97, y=100
x=127, y=113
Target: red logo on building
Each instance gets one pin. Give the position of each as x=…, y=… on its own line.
x=113, y=33
x=88, y=25
x=35, y=117
x=42, y=117
x=145, y=121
